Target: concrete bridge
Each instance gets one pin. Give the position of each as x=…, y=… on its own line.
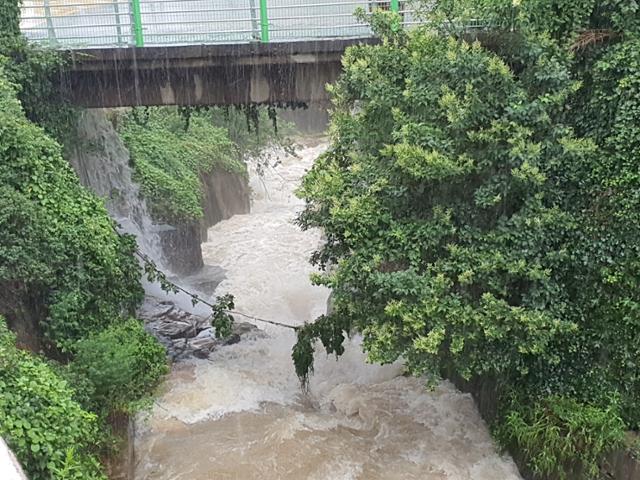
x=285, y=74
x=200, y=52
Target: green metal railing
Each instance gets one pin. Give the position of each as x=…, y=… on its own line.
x=136, y=17
x=124, y=23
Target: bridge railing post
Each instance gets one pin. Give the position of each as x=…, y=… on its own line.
x=51, y=31
x=264, y=22
x=136, y=23
x=255, y=29
x=116, y=14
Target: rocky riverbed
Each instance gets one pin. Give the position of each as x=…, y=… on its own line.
x=185, y=334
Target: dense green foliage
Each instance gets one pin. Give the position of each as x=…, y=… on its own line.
x=31, y=69
x=48, y=430
x=122, y=364
x=10, y=19
x=172, y=149
x=68, y=255
x=68, y=284
x=481, y=213
x=170, y=154
x=561, y=431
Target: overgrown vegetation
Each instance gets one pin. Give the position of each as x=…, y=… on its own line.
x=562, y=432
x=170, y=153
x=68, y=283
x=172, y=149
x=68, y=256
x=118, y=367
x=481, y=214
x=49, y=431
x=29, y=68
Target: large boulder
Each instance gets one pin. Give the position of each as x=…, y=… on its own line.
x=185, y=334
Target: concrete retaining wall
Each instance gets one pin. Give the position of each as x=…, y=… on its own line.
x=9, y=467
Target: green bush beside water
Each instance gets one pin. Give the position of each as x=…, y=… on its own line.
x=66, y=274
x=482, y=216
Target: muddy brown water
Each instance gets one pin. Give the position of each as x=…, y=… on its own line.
x=241, y=414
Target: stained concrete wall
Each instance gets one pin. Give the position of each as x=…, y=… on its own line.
x=294, y=73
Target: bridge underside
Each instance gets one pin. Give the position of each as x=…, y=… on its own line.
x=292, y=73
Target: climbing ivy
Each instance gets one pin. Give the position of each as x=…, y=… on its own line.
x=90, y=276
x=65, y=275
x=33, y=71
x=10, y=18
x=170, y=154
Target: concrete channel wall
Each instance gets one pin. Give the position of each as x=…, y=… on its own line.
x=9, y=467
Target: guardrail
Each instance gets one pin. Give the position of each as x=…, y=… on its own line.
x=125, y=23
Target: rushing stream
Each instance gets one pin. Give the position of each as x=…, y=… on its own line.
x=241, y=414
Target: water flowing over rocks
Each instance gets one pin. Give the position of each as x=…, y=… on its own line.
x=186, y=334
x=241, y=414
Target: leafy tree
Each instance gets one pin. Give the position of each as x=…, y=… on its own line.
x=481, y=219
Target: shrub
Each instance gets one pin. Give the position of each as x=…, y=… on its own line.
x=122, y=364
x=52, y=436
x=559, y=435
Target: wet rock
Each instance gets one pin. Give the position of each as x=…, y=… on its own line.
x=203, y=346
x=185, y=334
x=232, y=339
x=206, y=333
x=175, y=328
x=244, y=328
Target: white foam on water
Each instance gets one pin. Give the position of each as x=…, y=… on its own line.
x=241, y=415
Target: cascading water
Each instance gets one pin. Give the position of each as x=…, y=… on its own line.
x=102, y=163
x=241, y=414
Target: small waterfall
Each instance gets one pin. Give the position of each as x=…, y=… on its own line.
x=103, y=164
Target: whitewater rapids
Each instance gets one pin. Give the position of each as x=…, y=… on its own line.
x=241, y=415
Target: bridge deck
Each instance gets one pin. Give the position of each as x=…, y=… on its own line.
x=121, y=23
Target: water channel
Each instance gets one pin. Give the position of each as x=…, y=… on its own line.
x=241, y=414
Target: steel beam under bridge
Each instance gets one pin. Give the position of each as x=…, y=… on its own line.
x=259, y=73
